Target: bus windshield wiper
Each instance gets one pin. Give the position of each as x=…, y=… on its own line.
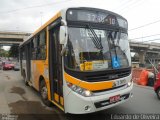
x=119, y=37
x=112, y=40
x=96, y=40
x=123, y=52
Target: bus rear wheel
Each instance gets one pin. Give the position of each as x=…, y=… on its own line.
x=44, y=93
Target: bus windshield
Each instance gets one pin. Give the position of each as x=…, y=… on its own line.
x=99, y=49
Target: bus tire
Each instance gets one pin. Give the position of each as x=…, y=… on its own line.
x=25, y=79
x=158, y=93
x=44, y=93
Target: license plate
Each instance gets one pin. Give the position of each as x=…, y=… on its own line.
x=120, y=82
x=114, y=99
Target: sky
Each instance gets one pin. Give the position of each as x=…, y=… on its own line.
x=28, y=15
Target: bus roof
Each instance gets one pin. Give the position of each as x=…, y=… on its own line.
x=61, y=13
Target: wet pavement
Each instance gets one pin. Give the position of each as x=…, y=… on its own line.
x=25, y=102
x=21, y=100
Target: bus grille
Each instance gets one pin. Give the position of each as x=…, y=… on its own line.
x=98, y=91
x=108, y=76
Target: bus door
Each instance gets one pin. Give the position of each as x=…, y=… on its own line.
x=55, y=66
x=28, y=62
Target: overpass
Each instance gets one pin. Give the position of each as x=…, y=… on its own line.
x=146, y=51
x=10, y=38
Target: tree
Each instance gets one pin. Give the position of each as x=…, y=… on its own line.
x=3, y=53
x=14, y=52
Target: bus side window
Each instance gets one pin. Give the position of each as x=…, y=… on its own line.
x=41, y=49
x=23, y=54
x=33, y=47
x=37, y=47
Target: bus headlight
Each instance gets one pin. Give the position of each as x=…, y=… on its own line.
x=129, y=83
x=79, y=90
x=87, y=93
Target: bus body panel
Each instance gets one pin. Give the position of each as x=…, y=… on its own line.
x=32, y=79
x=95, y=86
x=75, y=103
x=37, y=68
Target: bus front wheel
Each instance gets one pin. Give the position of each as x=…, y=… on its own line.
x=44, y=93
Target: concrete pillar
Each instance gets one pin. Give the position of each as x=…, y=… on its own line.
x=142, y=56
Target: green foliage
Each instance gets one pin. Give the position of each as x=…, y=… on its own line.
x=13, y=52
x=3, y=53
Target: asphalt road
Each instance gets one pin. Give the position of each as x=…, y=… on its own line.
x=25, y=103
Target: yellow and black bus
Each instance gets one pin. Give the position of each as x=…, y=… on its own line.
x=79, y=60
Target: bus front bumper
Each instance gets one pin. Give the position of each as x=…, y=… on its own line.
x=77, y=104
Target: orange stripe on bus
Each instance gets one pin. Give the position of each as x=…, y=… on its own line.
x=62, y=101
x=56, y=97
x=93, y=86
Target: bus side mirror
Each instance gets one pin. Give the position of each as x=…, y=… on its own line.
x=63, y=35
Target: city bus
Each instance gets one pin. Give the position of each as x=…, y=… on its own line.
x=79, y=60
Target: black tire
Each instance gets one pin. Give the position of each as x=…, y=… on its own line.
x=44, y=93
x=25, y=79
x=158, y=93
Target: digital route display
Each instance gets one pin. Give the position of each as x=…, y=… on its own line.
x=95, y=17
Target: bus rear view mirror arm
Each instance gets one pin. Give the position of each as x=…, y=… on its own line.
x=63, y=35
x=63, y=32
x=63, y=50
